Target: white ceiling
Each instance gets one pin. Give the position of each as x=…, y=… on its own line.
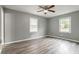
x=60, y=9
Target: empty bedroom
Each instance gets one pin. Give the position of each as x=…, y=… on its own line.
x=39, y=29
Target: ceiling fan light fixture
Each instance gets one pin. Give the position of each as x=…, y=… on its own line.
x=45, y=11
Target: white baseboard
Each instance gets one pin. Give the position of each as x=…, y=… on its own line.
x=24, y=40
x=42, y=37
x=64, y=38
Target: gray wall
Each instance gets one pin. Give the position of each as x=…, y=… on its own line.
x=53, y=24
x=0, y=24
x=9, y=27
x=17, y=26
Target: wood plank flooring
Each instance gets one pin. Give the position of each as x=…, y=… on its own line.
x=42, y=46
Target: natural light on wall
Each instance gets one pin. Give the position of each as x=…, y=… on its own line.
x=65, y=24
x=33, y=24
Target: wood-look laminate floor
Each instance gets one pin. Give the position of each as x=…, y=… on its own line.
x=42, y=46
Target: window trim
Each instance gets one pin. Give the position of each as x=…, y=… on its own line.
x=33, y=24
x=60, y=24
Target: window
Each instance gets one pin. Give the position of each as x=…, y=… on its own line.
x=33, y=24
x=65, y=24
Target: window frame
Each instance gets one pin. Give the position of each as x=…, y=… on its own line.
x=32, y=24
x=63, y=18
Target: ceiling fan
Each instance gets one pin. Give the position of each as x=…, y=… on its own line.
x=46, y=8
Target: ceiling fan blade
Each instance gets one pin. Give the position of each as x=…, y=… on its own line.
x=51, y=11
x=42, y=7
x=40, y=10
x=51, y=6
